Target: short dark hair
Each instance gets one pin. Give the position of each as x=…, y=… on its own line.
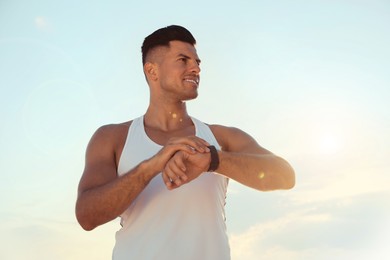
x=163, y=36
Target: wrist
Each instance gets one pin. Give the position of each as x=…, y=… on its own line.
x=148, y=169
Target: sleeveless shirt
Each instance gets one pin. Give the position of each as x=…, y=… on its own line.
x=187, y=223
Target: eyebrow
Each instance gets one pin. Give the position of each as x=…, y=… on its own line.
x=188, y=57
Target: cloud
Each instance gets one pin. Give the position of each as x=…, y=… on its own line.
x=56, y=240
x=325, y=230
x=253, y=243
x=42, y=24
x=341, y=184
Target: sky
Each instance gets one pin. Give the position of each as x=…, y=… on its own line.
x=309, y=80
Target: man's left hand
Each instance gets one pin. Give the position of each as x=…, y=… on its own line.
x=184, y=167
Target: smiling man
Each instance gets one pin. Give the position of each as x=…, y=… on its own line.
x=165, y=173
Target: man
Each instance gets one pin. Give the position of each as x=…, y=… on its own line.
x=165, y=173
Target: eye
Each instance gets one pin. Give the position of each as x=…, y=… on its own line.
x=183, y=60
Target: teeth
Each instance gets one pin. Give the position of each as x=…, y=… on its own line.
x=193, y=81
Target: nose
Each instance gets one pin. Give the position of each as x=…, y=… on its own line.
x=195, y=67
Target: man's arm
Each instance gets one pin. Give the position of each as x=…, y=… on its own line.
x=245, y=161
x=241, y=158
x=102, y=195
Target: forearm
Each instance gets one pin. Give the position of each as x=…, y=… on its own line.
x=102, y=204
x=260, y=171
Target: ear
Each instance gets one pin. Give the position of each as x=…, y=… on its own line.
x=150, y=70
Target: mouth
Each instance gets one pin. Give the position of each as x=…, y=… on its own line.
x=193, y=80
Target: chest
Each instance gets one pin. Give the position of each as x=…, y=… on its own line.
x=161, y=137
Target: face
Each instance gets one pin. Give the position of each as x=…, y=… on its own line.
x=178, y=71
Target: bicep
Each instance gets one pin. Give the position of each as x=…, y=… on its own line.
x=100, y=166
x=235, y=140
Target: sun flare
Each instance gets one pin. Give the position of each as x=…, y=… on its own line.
x=329, y=143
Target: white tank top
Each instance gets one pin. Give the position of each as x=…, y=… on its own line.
x=187, y=223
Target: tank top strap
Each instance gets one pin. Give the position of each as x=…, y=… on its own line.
x=203, y=131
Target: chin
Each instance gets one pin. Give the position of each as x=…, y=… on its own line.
x=190, y=97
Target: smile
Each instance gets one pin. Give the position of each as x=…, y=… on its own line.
x=194, y=81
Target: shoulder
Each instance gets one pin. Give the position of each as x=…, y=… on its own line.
x=233, y=139
x=226, y=134
x=223, y=132
x=221, y=129
x=112, y=130
x=110, y=135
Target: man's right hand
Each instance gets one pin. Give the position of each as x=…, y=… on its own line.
x=189, y=145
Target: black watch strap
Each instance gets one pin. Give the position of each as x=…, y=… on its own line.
x=214, y=158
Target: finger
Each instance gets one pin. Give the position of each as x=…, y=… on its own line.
x=170, y=175
x=173, y=148
x=199, y=144
x=196, y=143
x=176, y=175
x=204, y=142
x=166, y=179
x=168, y=151
x=178, y=168
x=190, y=145
x=181, y=168
x=168, y=183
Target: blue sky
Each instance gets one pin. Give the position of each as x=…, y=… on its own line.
x=308, y=79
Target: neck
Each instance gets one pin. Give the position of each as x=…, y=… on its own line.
x=167, y=117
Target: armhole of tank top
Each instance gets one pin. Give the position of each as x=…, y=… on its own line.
x=206, y=129
x=124, y=147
